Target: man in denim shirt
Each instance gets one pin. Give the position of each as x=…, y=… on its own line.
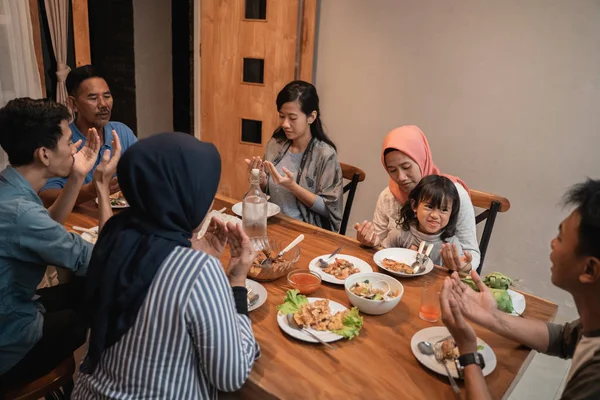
x=39, y=330
x=91, y=100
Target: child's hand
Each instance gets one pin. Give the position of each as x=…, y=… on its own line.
x=365, y=234
x=452, y=260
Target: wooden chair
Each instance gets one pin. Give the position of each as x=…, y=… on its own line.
x=492, y=205
x=354, y=175
x=48, y=386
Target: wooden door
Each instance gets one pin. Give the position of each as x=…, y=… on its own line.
x=238, y=93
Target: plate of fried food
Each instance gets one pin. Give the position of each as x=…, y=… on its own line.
x=440, y=338
x=328, y=320
x=117, y=200
x=339, y=268
x=398, y=261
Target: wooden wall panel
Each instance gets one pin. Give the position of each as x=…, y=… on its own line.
x=226, y=39
x=307, y=46
x=34, y=13
x=81, y=32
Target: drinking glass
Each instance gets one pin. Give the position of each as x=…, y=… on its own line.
x=430, y=302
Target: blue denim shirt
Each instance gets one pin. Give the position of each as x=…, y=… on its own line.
x=29, y=241
x=125, y=135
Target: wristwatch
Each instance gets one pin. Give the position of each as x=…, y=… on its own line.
x=471, y=358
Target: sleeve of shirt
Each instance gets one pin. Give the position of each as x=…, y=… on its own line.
x=563, y=339
x=48, y=242
x=224, y=340
x=54, y=183
x=319, y=207
x=331, y=190
x=381, y=219
x=466, y=232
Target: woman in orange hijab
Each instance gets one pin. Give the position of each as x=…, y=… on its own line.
x=406, y=157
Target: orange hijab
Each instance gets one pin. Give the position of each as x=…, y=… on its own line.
x=411, y=140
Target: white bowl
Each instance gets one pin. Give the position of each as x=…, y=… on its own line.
x=373, y=307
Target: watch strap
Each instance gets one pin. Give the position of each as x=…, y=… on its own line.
x=471, y=358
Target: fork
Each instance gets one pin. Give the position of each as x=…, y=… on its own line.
x=439, y=357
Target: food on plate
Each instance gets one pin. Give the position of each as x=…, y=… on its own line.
x=450, y=349
x=498, y=284
x=317, y=315
x=341, y=268
x=396, y=266
x=366, y=290
x=262, y=255
x=118, y=200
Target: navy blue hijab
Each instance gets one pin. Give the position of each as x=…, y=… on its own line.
x=169, y=181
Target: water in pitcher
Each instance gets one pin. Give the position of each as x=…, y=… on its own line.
x=254, y=208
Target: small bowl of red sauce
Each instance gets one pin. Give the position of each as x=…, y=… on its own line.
x=304, y=280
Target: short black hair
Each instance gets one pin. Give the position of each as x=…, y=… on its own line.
x=438, y=191
x=586, y=197
x=78, y=75
x=27, y=124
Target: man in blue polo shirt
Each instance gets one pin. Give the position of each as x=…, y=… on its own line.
x=91, y=101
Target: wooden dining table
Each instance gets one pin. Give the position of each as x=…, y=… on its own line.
x=379, y=363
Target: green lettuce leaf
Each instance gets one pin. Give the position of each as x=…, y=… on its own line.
x=353, y=323
x=292, y=302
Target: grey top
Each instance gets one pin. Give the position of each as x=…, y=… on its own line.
x=406, y=239
x=321, y=175
x=285, y=199
x=568, y=341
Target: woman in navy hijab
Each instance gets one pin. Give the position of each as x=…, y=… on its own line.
x=166, y=321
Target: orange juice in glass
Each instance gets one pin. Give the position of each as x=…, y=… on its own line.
x=430, y=302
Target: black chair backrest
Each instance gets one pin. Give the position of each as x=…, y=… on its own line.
x=492, y=205
x=354, y=175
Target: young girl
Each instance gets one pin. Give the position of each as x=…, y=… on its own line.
x=430, y=215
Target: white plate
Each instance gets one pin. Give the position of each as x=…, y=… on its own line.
x=326, y=336
x=272, y=209
x=436, y=333
x=114, y=206
x=358, y=263
x=405, y=256
x=89, y=237
x=260, y=291
x=518, y=301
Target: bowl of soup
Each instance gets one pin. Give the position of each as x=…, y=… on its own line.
x=362, y=293
x=304, y=280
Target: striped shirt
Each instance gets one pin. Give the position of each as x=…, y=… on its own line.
x=188, y=341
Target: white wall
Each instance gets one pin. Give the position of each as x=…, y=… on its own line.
x=507, y=93
x=153, y=68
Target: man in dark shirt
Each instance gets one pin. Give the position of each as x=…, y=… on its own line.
x=575, y=259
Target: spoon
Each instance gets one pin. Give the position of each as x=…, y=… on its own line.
x=424, y=258
x=418, y=264
x=294, y=325
x=425, y=348
x=324, y=262
x=384, y=286
x=269, y=260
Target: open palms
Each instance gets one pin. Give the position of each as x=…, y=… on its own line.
x=85, y=159
x=480, y=307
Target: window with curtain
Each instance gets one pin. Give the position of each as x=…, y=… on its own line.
x=19, y=76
